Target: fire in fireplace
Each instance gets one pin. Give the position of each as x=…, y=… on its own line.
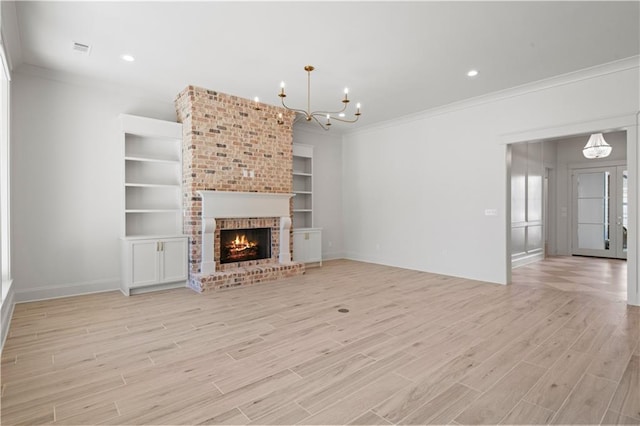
x=240, y=245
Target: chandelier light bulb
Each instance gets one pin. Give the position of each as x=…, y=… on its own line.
x=346, y=90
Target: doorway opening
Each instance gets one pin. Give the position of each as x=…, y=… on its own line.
x=585, y=205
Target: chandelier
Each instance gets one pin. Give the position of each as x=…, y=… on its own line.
x=324, y=115
x=596, y=147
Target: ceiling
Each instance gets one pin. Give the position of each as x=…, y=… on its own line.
x=397, y=58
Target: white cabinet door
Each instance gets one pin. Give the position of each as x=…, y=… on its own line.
x=314, y=247
x=145, y=268
x=307, y=245
x=299, y=247
x=149, y=262
x=174, y=260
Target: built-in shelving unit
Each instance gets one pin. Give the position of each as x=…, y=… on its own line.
x=302, y=186
x=307, y=240
x=152, y=214
x=152, y=177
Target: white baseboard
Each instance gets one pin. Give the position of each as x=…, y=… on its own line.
x=516, y=263
x=375, y=260
x=363, y=258
x=333, y=255
x=8, y=303
x=66, y=290
x=157, y=287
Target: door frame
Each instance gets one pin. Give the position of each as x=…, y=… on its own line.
x=627, y=123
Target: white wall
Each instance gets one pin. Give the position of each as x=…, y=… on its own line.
x=416, y=189
x=568, y=154
x=66, y=184
x=327, y=182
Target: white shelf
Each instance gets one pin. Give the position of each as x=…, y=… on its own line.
x=152, y=237
x=302, y=210
x=151, y=160
x=152, y=211
x=302, y=174
x=303, y=192
x=152, y=185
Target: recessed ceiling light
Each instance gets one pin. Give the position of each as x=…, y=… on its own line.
x=472, y=73
x=341, y=114
x=128, y=58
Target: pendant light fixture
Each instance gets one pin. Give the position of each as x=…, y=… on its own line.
x=596, y=147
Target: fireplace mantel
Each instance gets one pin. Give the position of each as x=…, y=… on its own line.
x=230, y=205
x=225, y=204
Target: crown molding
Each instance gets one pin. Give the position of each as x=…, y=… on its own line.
x=621, y=65
x=90, y=82
x=10, y=34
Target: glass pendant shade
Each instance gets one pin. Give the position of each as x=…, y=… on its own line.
x=596, y=147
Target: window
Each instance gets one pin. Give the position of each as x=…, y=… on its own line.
x=4, y=172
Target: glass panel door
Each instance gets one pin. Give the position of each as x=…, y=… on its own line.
x=599, y=212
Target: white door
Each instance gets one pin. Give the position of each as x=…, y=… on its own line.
x=600, y=212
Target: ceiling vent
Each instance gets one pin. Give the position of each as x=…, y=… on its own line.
x=81, y=48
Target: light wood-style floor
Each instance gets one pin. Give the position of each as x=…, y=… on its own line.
x=415, y=348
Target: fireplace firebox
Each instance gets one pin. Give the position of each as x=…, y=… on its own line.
x=241, y=245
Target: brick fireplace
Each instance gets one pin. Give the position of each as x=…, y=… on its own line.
x=237, y=160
